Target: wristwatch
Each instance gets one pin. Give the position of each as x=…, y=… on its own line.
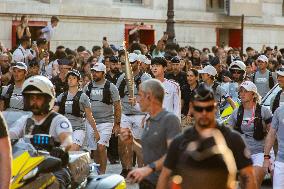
x=152, y=166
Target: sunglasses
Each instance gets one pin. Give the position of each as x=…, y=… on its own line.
x=201, y=109
x=236, y=71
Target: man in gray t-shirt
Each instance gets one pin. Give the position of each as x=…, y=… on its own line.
x=263, y=78
x=106, y=108
x=11, y=100
x=131, y=114
x=277, y=129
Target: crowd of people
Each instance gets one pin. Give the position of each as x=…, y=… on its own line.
x=172, y=128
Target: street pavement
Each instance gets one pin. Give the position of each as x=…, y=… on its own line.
x=116, y=168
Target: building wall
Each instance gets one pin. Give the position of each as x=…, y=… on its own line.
x=86, y=22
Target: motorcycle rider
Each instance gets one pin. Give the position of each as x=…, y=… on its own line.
x=39, y=96
x=75, y=105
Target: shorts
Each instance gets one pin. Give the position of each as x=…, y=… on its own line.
x=134, y=123
x=278, y=178
x=105, y=131
x=78, y=137
x=257, y=159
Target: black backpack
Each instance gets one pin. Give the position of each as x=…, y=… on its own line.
x=123, y=84
x=276, y=101
x=106, y=92
x=271, y=81
x=259, y=132
x=75, y=106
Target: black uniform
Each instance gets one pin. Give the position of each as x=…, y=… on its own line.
x=180, y=163
x=180, y=78
x=60, y=86
x=186, y=96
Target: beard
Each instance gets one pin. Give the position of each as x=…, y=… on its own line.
x=115, y=71
x=96, y=79
x=204, y=122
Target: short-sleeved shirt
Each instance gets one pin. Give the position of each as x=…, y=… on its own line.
x=59, y=124
x=278, y=125
x=157, y=130
x=232, y=138
x=84, y=102
x=262, y=82
x=127, y=108
x=102, y=112
x=16, y=100
x=255, y=146
x=3, y=127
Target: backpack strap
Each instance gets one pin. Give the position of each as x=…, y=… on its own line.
x=43, y=128
x=276, y=101
x=258, y=132
x=62, y=103
x=253, y=77
x=215, y=85
x=8, y=95
x=271, y=81
x=138, y=80
x=240, y=116
x=76, y=105
x=121, y=88
x=90, y=86
x=106, y=93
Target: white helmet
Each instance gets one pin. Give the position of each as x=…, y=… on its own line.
x=239, y=64
x=40, y=85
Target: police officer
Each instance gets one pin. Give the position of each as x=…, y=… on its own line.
x=39, y=98
x=179, y=159
x=75, y=105
x=106, y=108
x=5, y=155
x=278, y=99
x=11, y=97
x=177, y=75
x=131, y=115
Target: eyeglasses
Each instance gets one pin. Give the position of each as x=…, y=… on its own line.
x=201, y=109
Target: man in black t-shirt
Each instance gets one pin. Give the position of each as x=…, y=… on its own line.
x=5, y=155
x=190, y=155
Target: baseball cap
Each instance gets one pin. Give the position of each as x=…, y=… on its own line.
x=209, y=70
x=114, y=59
x=249, y=86
x=175, y=60
x=144, y=59
x=74, y=72
x=280, y=71
x=99, y=67
x=203, y=93
x=133, y=57
x=20, y=65
x=262, y=58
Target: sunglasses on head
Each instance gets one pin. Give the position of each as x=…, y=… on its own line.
x=206, y=108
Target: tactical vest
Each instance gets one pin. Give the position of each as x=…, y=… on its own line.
x=106, y=92
x=271, y=81
x=258, y=130
x=122, y=85
x=75, y=105
x=32, y=128
x=8, y=96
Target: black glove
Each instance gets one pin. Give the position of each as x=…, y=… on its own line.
x=61, y=154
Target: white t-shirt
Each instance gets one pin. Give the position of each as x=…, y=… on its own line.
x=59, y=124
x=21, y=55
x=172, y=98
x=48, y=32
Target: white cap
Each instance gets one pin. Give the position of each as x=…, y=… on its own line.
x=280, y=71
x=133, y=57
x=99, y=67
x=262, y=58
x=249, y=86
x=144, y=59
x=20, y=65
x=239, y=64
x=209, y=70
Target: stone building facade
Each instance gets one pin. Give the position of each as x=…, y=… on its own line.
x=199, y=23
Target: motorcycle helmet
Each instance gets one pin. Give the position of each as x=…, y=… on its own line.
x=240, y=66
x=39, y=85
